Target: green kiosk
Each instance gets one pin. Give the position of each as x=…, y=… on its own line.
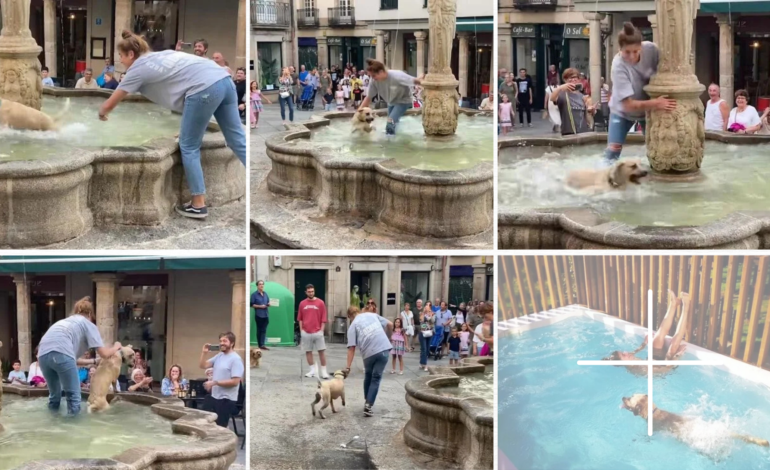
x=280, y=330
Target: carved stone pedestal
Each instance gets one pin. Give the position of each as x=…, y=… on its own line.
x=20, y=79
x=440, y=105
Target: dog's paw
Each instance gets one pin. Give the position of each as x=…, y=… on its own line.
x=322, y=415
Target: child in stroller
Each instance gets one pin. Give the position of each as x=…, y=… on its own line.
x=306, y=99
x=436, y=343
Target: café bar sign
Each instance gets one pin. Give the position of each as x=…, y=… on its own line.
x=576, y=31
x=523, y=31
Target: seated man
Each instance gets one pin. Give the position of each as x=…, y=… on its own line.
x=87, y=81
x=17, y=376
x=574, y=106
x=109, y=82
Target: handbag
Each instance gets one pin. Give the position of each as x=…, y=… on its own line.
x=427, y=331
x=284, y=94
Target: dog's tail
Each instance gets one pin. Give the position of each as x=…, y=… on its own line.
x=752, y=440
x=58, y=118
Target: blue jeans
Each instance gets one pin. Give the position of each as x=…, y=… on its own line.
x=424, y=344
x=395, y=113
x=374, y=366
x=218, y=100
x=61, y=373
x=287, y=102
x=619, y=127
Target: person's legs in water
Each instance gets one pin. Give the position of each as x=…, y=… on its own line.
x=61, y=374
x=659, y=342
x=395, y=112
x=375, y=365
x=229, y=121
x=676, y=349
x=616, y=137
x=198, y=110
x=52, y=380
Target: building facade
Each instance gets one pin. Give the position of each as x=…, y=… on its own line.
x=322, y=33
x=76, y=34
x=389, y=280
x=165, y=307
x=731, y=40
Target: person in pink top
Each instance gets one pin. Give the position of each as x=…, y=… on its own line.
x=505, y=114
x=311, y=316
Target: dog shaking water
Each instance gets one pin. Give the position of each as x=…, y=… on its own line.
x=329, y=391
x=21, y=117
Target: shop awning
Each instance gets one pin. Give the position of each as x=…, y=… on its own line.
x=479, y=24
x=52, y=264
x=734, y=6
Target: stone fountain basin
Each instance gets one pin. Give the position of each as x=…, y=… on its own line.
x=440, y=204
x=584, y=228
x=53, y=200
x=453, y=428
x=215, y=449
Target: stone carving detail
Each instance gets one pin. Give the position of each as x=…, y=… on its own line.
x=440, y=107
x=675, y=139
x=20, y=78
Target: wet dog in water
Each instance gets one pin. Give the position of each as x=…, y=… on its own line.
x=329, y=391
x=21, y=117
x=665, y=421
x=362, y=121
x=107, y=374
x=616, y=177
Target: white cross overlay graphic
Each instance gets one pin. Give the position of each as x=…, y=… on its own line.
x=650, y=362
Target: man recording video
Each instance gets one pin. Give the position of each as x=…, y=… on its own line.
x=571, y=101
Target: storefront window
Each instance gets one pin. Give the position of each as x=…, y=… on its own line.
x=308, y=56
x=335, y=56
x=411, y=57
x=414, y=285
x=525, y=56
x=369, y=287
x=157, y=20
x=269, y=57
x=578, y=55
x=142, y=322
x=460, y=285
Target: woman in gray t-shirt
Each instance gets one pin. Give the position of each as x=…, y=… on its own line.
x=367, y=332
x=197, y=88
x=60, y=350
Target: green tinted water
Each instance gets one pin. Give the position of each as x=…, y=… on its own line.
x=130, y=124
x=479, y=384
x=32, y=433
x=473, y=143
x=737, y=178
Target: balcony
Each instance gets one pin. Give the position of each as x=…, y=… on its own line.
x=342, y=17
x=268, y=14
x=535, y=4
x=307, y=18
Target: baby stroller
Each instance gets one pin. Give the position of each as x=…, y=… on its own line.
x=436, y=342
x=306, y=100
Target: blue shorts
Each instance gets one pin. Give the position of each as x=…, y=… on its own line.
x=454, y=355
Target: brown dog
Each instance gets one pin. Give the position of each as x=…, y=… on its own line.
x=362, y=120
x=673, y=423
x=616, y=177
x=107, y=374
x=329, y=391
x=256, y=356
x=18, y=116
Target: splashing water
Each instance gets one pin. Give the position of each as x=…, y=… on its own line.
x=130, y=124
x=472, y=144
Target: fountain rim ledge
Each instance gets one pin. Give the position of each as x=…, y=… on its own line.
x=213, y=441
x=732, y=228
x=279, y=142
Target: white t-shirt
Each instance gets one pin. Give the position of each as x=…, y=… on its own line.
x=34, y=371
x=749, y=117
x=477, y=335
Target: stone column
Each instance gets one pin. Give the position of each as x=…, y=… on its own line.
x=421, y=36
x=480, y=281
x=323, y=52
x=49, y=33
x=504, y=48
x=380, y=46
x=20, y=80
x=726, y=59
x=463, y=62
x=653, y=19
x=238, y=312
x=23, y=318
x=240, y=36
x=106, y=305
x=595, y=55
x=124, y=13
x=441, y=102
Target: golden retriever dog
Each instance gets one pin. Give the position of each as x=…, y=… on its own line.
x=106, y=375
x=362, y=121
x=664, y=421
x=256, y=356
x=21, y=117
x=329, y=391
x=616, y=177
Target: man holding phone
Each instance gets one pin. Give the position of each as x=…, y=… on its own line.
x=226, y=378
x=571, y=101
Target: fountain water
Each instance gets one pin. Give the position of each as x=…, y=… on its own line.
x=675, y=139
x=20, y=79
x=441, y=108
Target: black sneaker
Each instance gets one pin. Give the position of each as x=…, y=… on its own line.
x=188, y=210
x=368, y=410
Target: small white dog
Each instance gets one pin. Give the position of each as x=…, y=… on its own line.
x=362, y=120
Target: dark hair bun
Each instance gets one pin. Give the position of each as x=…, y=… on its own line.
x=126, y=34
x=629, y=28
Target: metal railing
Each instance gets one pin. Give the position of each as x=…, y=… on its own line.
x=307, y=18
x=270, y=14
x=342, y=16
x=728, y=309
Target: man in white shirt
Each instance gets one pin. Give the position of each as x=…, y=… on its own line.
x=87, y=82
